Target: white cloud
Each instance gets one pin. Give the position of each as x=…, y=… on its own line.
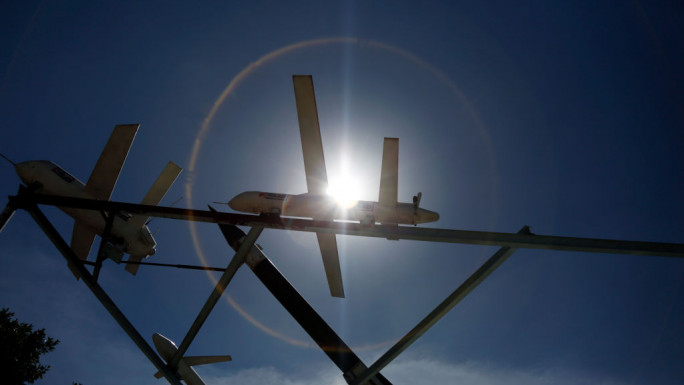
x=424, y=371
x=421, y=371
x=270, y=375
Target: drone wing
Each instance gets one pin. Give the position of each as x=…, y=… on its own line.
x=316, y=176
x=101, y=183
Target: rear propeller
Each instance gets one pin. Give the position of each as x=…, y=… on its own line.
x=416, y=200
x=6, y=215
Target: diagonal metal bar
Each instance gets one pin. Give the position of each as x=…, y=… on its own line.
x=530, y=241
x=313, y=324
x=221, y=285
x=440, y=311
x=97, y=290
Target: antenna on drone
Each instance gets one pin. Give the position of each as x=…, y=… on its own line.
x=7, y=159
x=171, y=205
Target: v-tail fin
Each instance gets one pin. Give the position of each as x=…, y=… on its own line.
x=133, y=267
x=157, y=191
x=153, y=197
x=389, y=174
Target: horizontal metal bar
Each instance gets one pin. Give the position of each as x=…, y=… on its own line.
x=528, y=241
x=177, y=266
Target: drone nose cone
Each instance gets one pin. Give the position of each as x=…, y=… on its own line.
x=165, y=346
x=25, y=170
x=427, y=216
x=233, y=203
x=240, y=201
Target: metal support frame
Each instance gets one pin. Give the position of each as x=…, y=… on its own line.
x=97, y=290
x=529, y=241
x=441, y=310
x=228, y=274
x=313, y=324
x=354, y=370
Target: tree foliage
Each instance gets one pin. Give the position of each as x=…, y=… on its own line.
x=20, y=350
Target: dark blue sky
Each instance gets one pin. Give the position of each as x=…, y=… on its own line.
x=565, y=117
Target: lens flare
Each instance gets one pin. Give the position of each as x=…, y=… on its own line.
x=346, y=188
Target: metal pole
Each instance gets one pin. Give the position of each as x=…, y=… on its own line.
x=530, y=241
x=440, y=311
x=228, y=274
x=101, y=295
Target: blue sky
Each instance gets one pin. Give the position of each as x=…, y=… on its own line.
x=564, y=117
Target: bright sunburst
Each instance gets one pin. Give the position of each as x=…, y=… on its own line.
x=345, y=190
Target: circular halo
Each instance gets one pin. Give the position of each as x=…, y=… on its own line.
x=240, y=77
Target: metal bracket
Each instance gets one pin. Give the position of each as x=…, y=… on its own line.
x=103, y=242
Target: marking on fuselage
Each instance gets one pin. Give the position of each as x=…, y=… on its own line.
x=364, y=206
x=63, y=174
x=272, y=196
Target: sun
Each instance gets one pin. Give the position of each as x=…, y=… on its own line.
x=345, y=190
